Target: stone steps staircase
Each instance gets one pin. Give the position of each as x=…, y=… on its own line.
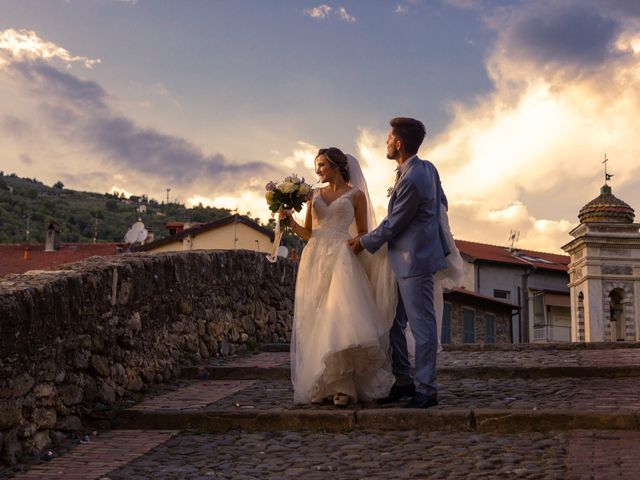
x=521, y=389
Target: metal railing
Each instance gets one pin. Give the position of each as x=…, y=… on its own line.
x=552, y=333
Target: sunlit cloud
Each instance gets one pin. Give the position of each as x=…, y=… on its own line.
x=324, y=11
x=302, y=157
x=377, y=169
x=561, y=99
x=401, y=9
x=16, y=45
x=81, y=120
x=320, y=12
x=119, y=191
x=344, y=15
x=244, y=202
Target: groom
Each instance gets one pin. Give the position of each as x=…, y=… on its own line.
x=417, y=250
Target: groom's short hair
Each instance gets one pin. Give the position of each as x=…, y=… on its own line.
x=410, y=131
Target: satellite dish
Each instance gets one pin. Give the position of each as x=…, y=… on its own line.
x=137, y=233
x=283, y=251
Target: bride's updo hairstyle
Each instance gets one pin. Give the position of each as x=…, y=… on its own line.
x=337, y=159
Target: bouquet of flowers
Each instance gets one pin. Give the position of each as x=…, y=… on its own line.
x=290, y=194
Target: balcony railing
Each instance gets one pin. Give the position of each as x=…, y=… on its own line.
x=552, y=333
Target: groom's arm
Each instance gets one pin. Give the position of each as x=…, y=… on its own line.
x=403, y=211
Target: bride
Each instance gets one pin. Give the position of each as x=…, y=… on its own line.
x=344, y=305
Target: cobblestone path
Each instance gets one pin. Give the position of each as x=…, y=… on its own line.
x=618, y=394
x=523, y=426
x=355, y=455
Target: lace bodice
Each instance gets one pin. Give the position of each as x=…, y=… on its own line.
x=333, y=220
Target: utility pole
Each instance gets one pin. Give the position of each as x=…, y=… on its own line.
x=95, y=230
x=168, y=190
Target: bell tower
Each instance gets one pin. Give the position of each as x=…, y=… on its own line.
x=604, y=271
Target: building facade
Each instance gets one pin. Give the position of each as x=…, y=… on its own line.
x=472, y=318
x=229, y=233
x=535, y=282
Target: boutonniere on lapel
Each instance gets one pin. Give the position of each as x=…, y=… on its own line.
x=390, y=190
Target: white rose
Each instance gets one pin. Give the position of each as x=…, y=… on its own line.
x=304, y=189
x=287, y=187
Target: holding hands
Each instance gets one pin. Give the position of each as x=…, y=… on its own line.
x=354, y=245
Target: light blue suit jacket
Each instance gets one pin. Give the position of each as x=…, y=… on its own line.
x=412, y=228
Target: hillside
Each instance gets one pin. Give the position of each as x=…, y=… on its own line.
x=82, y=215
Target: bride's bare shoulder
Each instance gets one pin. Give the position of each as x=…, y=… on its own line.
x=357, y=194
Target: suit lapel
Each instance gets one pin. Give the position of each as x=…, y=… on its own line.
x=413, y=164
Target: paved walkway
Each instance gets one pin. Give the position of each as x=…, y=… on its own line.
x=519, y=418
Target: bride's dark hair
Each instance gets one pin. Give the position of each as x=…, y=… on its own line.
x=337, y=159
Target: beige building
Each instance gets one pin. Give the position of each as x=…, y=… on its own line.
x=605, y=272
x=229, y=233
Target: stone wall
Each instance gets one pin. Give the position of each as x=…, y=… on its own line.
x=79, y=339
x=502, y=323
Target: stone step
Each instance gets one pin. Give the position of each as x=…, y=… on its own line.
x=518, y=363
x=509, y=405
x=276, y=372
x=383, y=419
x=498, y=347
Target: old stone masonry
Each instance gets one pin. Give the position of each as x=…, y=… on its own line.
x=176, y=367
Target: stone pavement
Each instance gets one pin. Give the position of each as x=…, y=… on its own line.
x=522, y=412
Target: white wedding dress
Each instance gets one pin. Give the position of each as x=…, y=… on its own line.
x=344, y=307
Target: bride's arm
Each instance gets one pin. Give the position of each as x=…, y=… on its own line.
x=302, y=232
x=360, y=209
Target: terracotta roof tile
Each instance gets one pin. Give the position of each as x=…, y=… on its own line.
x=448, y=294
x=12, y=256
x=497, y=254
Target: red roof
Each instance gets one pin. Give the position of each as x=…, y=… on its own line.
x=517, y=256
x=12, y=256
x=482, y=298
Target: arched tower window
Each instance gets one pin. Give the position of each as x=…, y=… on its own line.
x=616, y=315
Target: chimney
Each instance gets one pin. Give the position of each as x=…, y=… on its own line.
x=150, y=235
x=52, y=242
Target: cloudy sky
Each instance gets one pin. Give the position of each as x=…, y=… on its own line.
x=212, y=99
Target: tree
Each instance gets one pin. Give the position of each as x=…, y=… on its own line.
x=59, y=185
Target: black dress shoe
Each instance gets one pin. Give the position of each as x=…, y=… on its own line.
x=398, y=392
x=420, y=400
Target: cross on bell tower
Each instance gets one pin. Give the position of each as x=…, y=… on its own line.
x=607, y=176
